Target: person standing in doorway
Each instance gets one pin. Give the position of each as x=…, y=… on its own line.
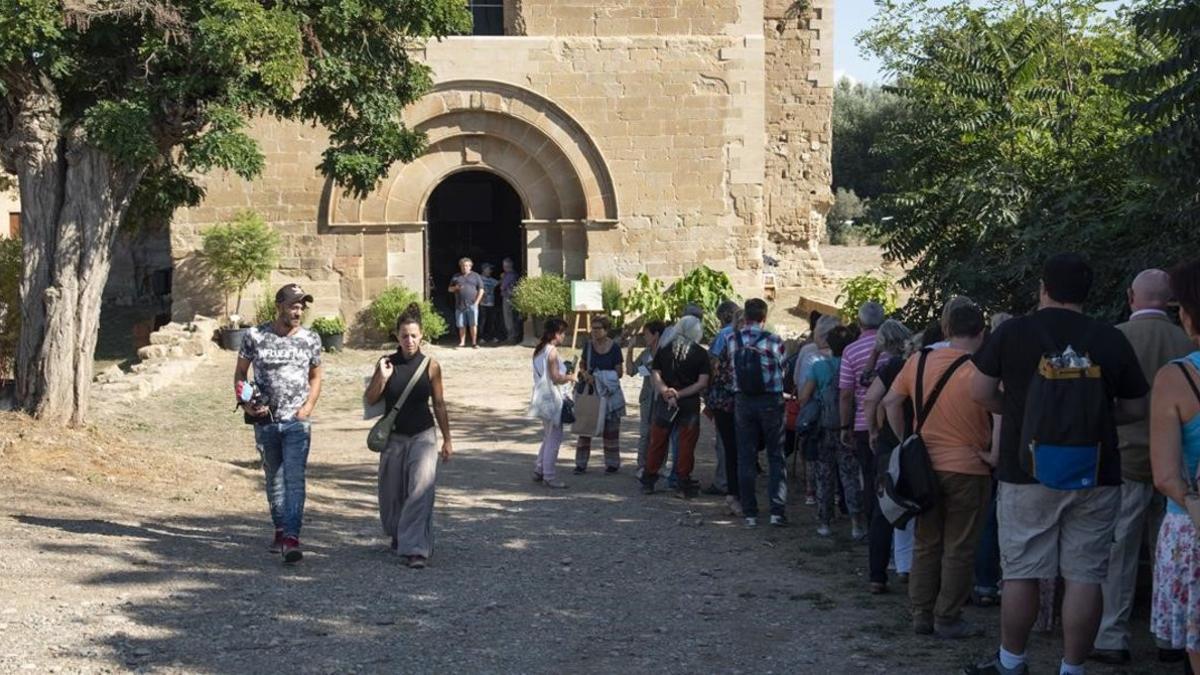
x=467, y=287
x=1157, y=342
x=508, y=283
x=408, y=466
x=286, y=360
x=489, y=317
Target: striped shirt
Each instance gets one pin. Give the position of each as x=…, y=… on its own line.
x=854, y=361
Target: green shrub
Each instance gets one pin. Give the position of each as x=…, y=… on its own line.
x=385, y=309
x=240, y=252
x=10, y=302
x=265, y=311
x=862, y=288
x=646, y=300
x=705, y=287
x=546, y=296
x=611, y=288
x=328, y=325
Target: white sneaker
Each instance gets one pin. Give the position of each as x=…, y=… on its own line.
x=857, y=533
x=751, y=521
x=824, y=531
x=733, y=506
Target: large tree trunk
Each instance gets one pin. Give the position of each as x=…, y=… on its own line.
x=73, y=197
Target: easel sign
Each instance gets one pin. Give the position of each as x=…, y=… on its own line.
x=587, y=297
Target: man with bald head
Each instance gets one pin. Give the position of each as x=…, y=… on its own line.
x=1156, y=341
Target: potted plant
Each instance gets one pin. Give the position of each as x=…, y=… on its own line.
x=542, y=297
x=332, y=331
x=236, y=254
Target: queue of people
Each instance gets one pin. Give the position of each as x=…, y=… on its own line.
x=1046, y=446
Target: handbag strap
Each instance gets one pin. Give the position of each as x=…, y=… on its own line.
x=926, y=407
x=1187, y=374
x=412, y=382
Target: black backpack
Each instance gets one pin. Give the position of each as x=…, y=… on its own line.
x=909, y=485
x=1067, y=411
x=747, y=365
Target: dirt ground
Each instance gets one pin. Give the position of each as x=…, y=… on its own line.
x=139, y=545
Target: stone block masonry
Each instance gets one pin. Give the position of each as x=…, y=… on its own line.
x=640, y=136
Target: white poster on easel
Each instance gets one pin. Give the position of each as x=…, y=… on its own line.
x=587, y=296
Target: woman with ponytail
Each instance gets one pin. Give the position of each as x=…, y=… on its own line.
x=408, y=466
x=547, y=364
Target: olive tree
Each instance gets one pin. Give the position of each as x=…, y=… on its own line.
x=113, y=106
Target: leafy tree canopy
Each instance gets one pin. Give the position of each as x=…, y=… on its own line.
x=860, y=114
x=1015, y=144
x=169, y=87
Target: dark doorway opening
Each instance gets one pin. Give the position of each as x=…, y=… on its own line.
x=474, y=214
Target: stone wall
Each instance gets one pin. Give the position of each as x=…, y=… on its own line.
x=644, y=137
x=799, y=69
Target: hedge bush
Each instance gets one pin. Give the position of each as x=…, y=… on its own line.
x=546, y=296
x=385, y=309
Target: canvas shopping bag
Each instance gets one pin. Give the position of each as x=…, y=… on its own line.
x=590, y=411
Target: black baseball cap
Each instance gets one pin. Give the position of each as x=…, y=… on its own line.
x=291, y=294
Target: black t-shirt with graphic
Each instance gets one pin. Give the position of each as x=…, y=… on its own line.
x=1013, y=353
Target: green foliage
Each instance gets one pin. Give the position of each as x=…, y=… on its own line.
x=705, y=287
x=842, y=224
x=328, y=325
x=647, y=300
x=543, y=297
x=170, y=87
x=864, y=288
x=265, y=310
x=1013, y=145
x=240, y=252
x=860, y=115
x=1167, y=87
x=10, y=302
x=611, y=289
x=386, y=309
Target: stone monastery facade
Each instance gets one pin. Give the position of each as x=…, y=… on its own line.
x=592, y=138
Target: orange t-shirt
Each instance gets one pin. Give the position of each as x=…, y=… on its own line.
x=957, y=428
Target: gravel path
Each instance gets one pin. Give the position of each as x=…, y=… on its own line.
x=149, y=555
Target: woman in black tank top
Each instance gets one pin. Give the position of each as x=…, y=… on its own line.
x=408, y=466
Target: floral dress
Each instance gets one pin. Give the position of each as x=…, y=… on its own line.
x=1175, y=611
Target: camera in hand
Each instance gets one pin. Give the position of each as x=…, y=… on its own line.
x=253, y=397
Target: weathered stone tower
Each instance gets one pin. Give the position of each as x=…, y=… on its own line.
x=579, y=137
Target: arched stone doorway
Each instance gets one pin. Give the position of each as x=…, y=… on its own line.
x=499, y=129
x=476, y=214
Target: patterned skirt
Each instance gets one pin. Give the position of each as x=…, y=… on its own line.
x=1175, y=616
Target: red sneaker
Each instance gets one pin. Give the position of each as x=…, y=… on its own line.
x=290, y=548
x=276, y=545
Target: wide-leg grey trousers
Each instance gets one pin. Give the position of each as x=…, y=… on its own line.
x=407, y=474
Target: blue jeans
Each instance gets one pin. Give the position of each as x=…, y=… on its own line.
x=283, y=447
x=759, y=421
x=987, y=552
x=467, y=317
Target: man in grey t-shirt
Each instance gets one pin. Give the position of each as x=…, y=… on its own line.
x=286, y=360
x=467, y=287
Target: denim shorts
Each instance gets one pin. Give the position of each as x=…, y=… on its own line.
x=469, y=317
